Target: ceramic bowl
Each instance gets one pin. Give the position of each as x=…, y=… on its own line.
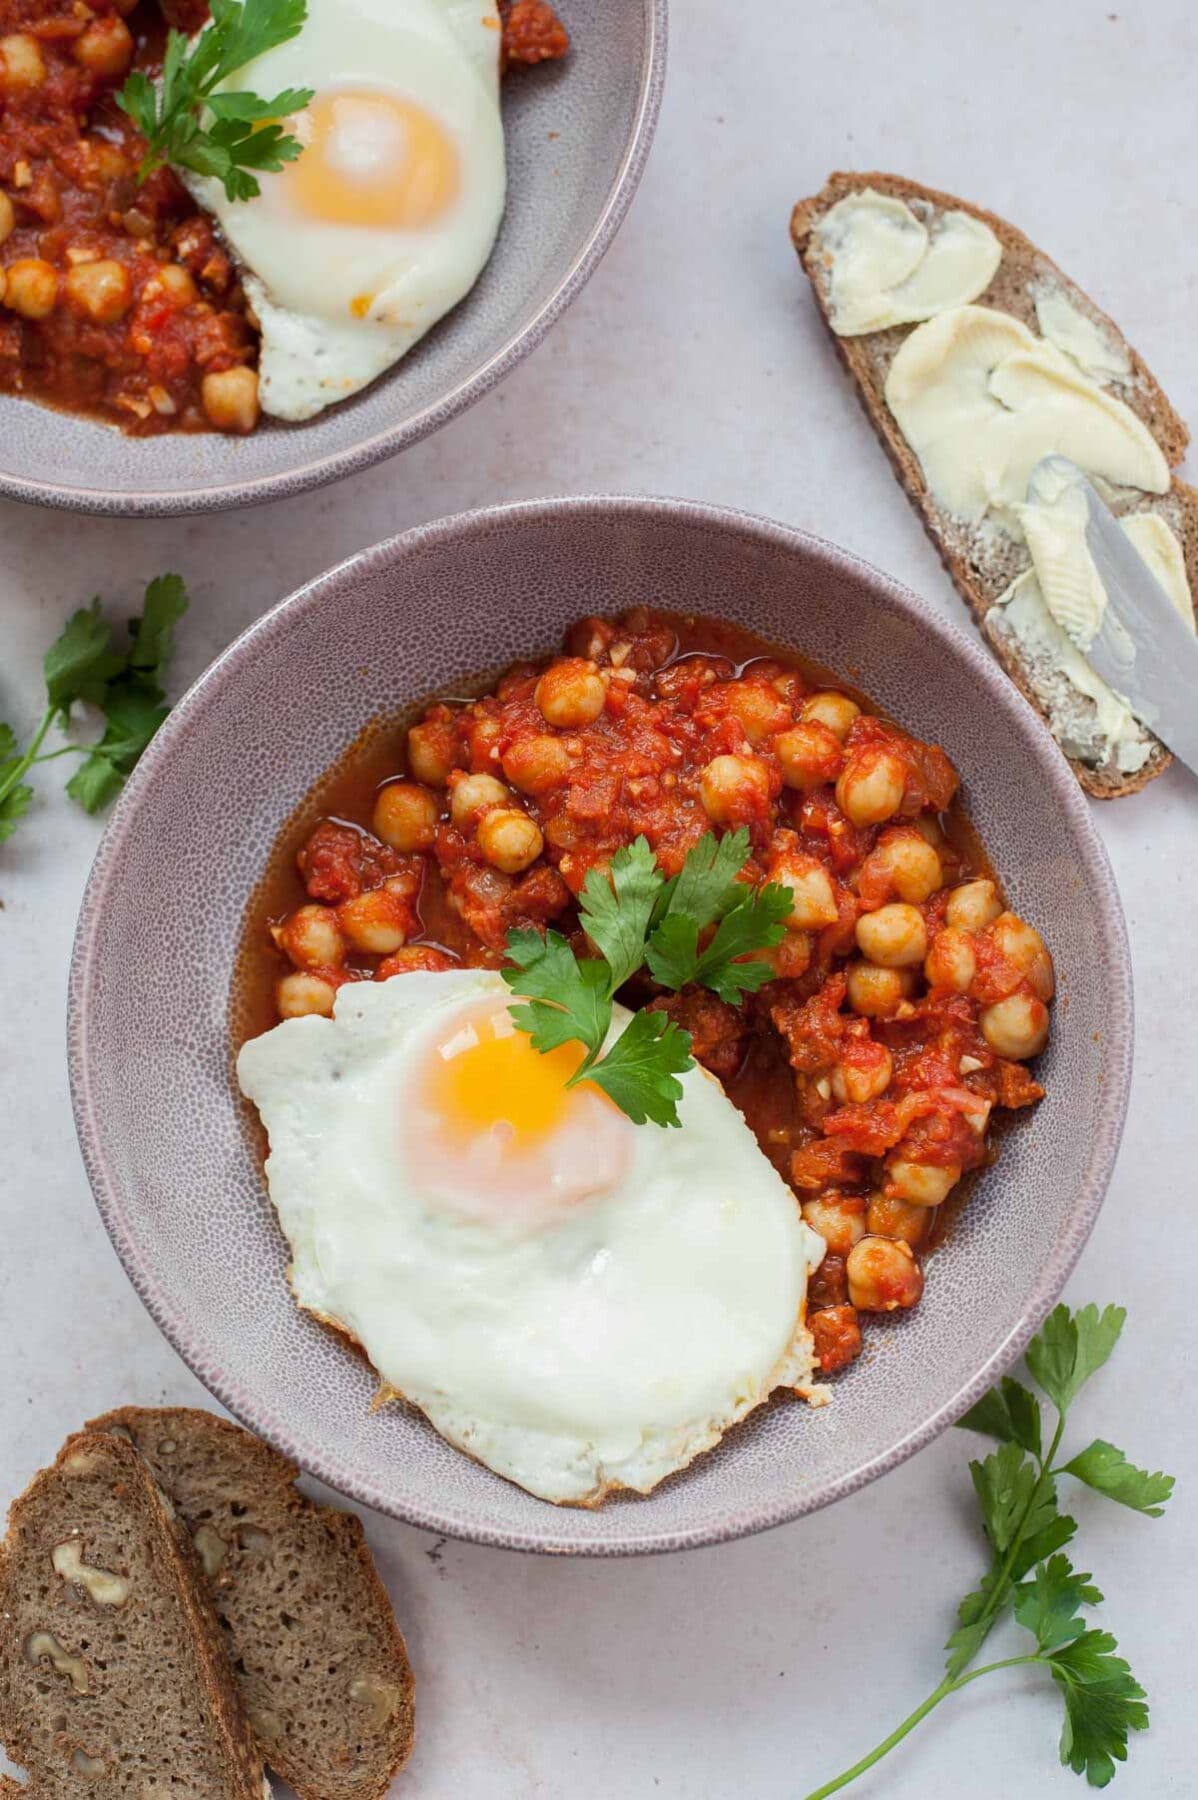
x=175, y=1169
x=578, y=133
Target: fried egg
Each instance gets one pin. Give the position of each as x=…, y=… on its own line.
x=578, y=1302
x=385, y=220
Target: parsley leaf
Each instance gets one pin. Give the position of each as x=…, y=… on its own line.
x=83, y=664
x=1103, y=1703
x=1008, y=1412
x=749, y=919
x=1015, y=1487
x=706, y=887
x=81, y=659
x=15, y=802
x=1105, y=1469
x=615, y=912
x=1071, y=1347
x=1048, y=1604
x=640, y=1070
x=634, y=917
x=568, y=1000
x=221, y=135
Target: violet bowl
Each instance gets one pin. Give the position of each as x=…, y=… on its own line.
x=176, y=1169
x=577, y=133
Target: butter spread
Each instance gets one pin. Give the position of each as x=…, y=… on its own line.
x=981, y=400
x=887, y=267
x=1059, y=601
x=1100, y=356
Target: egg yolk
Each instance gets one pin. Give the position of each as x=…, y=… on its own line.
x=495, y=1120
x=372, y=158
x=488, y=1077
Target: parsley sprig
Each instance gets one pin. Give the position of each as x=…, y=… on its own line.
x=635, y=917
x=83, y=664
x=223, y=135
x=1028, y=1576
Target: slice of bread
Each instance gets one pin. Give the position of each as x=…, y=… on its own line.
x=983, y=563
x=310, y=1632
x=113, y=1677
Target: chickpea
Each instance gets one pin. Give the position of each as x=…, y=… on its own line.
x=951, y=962
x=813, y=896
x=1021, y=945
x=571, y=693
x=809, y=753
x=923, y=1184
x=299, y=994
x=231, y=400
x=535, y=765
x=311, y=938
x=32, y=287
x=178, y=283
x=509, y=840
x=910, y=863
x=891, y=1217
x=838, y=1218
x=432, y=751
x=883, y=1274
x=973, y=905
x=101, y=291
x=405, y=816
x=472, y=795
x=375, y=922
x=863, y=1078
x=22, y=65
x=732, y=787
x=836, y=711
x=877, y=993
x=871, y=786
x=894, y=937
x=8, y=217
x=105, y=48
x=1016, y=1027
x=759, y=709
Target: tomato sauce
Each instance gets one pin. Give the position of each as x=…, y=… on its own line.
x=869, y=1083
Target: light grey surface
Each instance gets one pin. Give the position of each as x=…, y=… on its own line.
x=693, y=364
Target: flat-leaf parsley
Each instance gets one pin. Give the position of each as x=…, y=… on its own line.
x=634, y=916
x=83, y=664
x=1028, y=1576
x=226, y=135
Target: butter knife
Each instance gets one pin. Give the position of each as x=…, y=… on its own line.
x=1144, y=650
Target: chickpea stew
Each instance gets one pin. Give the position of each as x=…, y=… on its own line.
x=906, y=999
x=118, y=300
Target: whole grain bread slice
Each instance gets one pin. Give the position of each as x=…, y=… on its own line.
x=982, y=564
x=113, y=1675
x=309, y=1628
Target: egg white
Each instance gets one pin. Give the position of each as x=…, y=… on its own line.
x=337, y=304
x=575, y=1349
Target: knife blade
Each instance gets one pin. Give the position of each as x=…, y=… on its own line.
x=1144, y=650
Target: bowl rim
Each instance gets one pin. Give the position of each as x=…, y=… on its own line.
x=225, y=496
x=1114, y=952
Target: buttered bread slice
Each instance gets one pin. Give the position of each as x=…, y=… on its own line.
x=113, y=1678
x=308, y=1626
x=974, y=357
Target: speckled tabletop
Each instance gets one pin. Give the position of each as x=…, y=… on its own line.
x=693, y=365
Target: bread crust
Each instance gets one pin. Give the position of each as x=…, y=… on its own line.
x=179, y=1587
x=339, y=1560
x=867, y=360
